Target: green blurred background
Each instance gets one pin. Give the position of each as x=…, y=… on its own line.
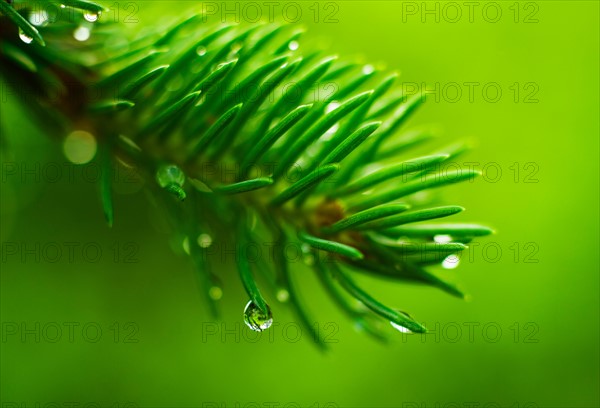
x=528, y=337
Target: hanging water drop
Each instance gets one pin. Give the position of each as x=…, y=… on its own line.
x=442, y=238
x=255, y=319
x=24, y=37
x=201, y=50
x=171, y=178
x=91, y=16
x=451, y=261
x=39, y=18
x=169, y=174
x=399, y=327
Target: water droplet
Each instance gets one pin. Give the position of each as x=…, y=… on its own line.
x=442, y=239
x=204, y=240
x=91, y=16
x=368, y=69
x=283, y=295
x=293, y=45
x=171, y=178
x=81, y=33
x=451, y=261
x=401, y=328
x=255, y=319
x=201, y=50
x=80, y=147
x=39, y=18
x=170, y=174
x=215, y=293
x=63, y=6
x=24, y=37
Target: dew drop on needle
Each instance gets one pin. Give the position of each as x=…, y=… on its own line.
x=255, y=319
